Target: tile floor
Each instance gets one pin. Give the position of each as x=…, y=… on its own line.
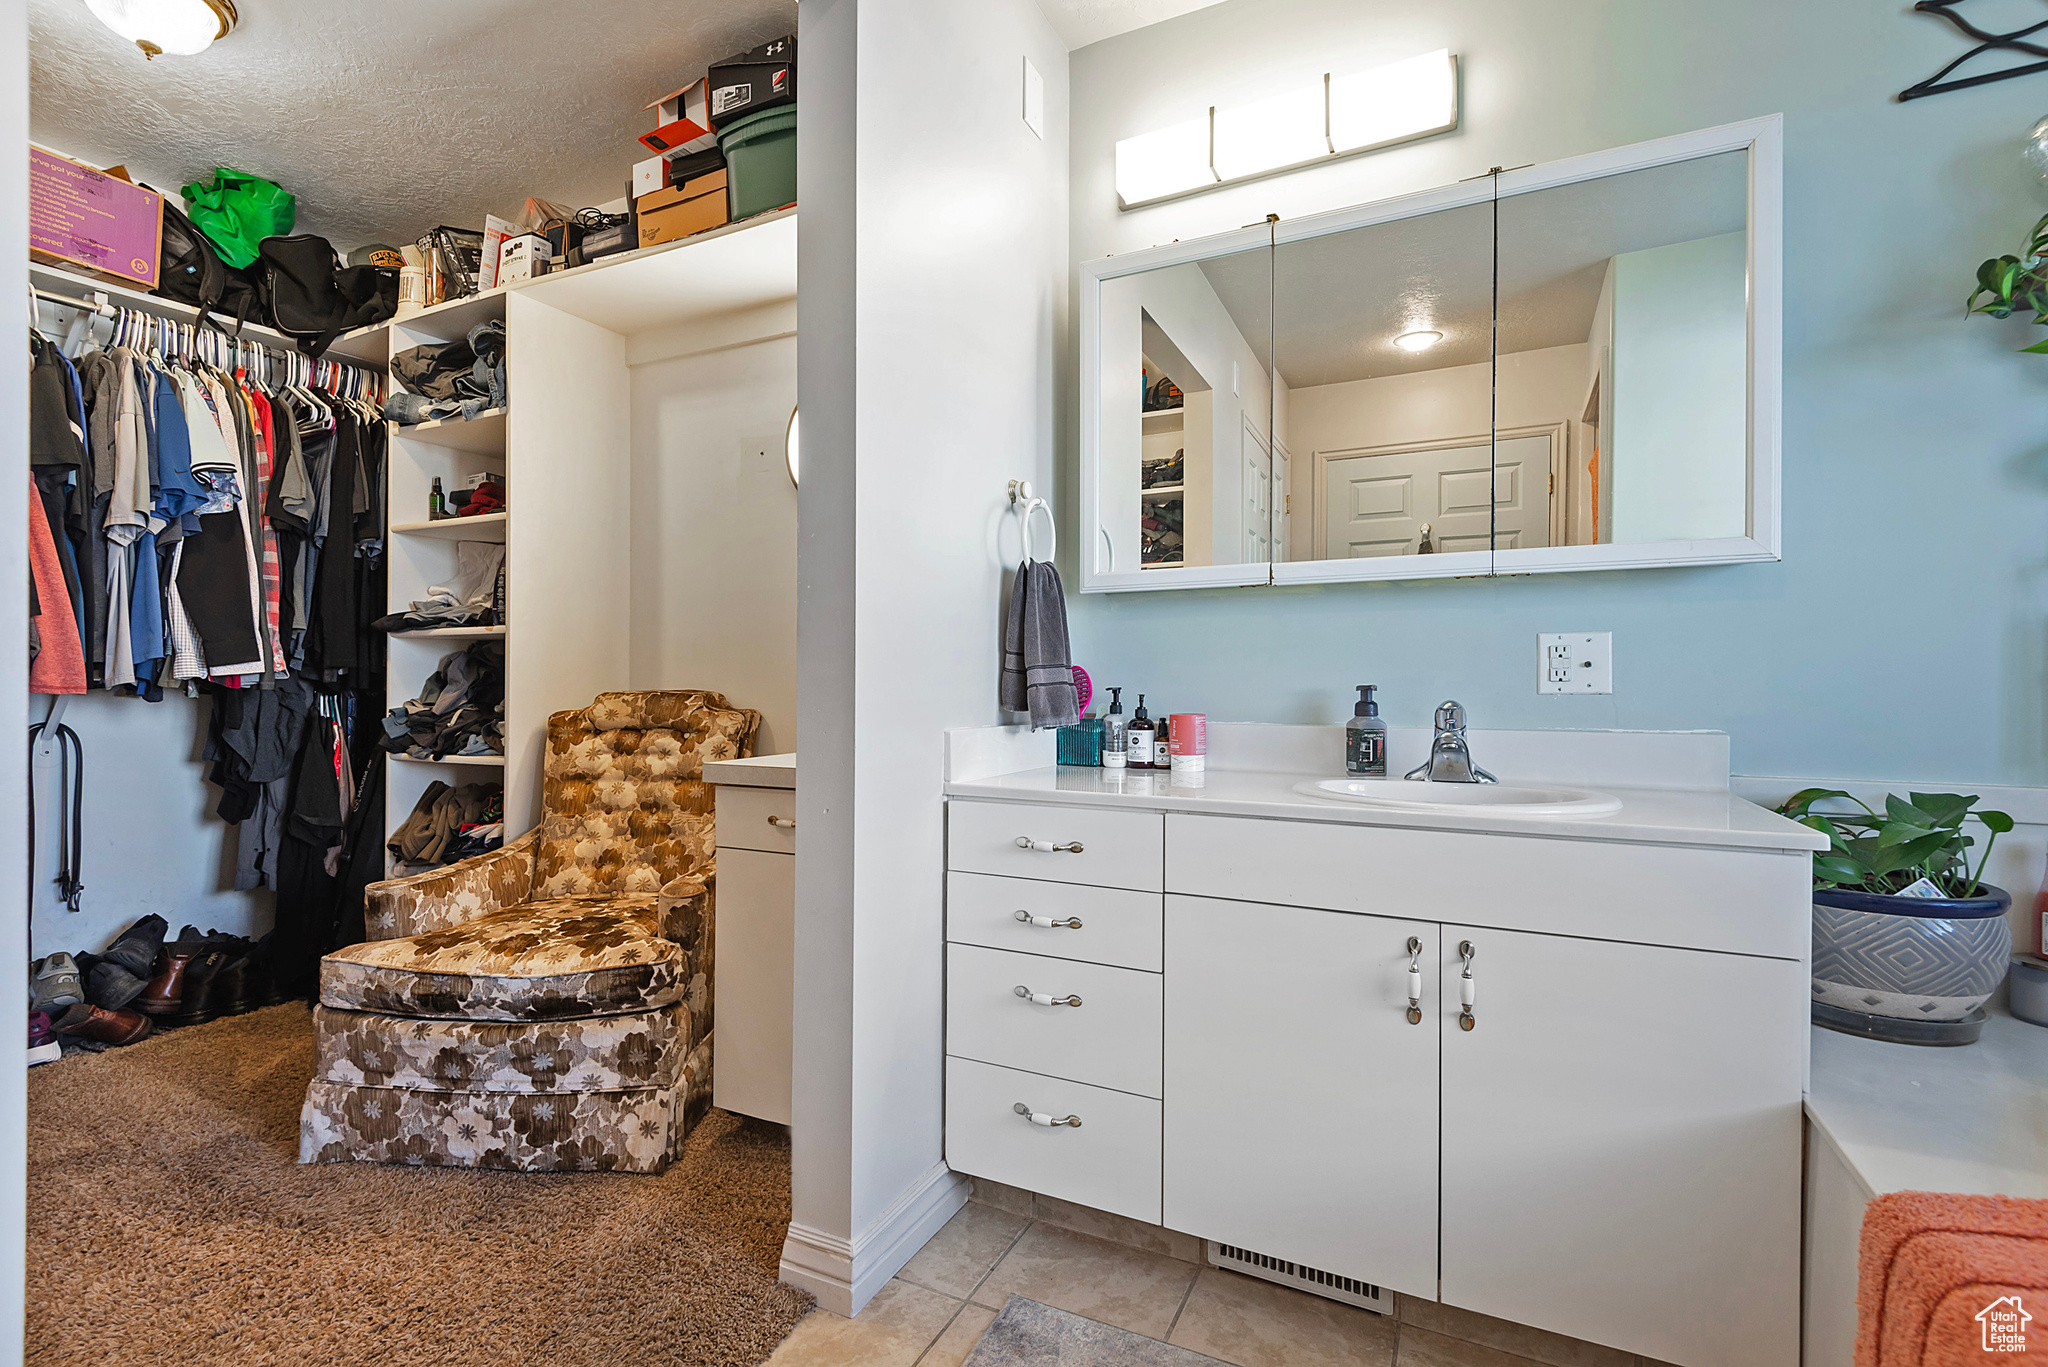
x=1152, y=1282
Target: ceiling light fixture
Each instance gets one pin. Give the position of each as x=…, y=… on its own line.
x=789, y=448
x=1337, y=116
x=183, y=28
x=1422, y=339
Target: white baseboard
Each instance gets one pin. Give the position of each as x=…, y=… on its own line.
x=845, y=1273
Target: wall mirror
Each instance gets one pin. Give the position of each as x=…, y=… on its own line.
x=1563, y=367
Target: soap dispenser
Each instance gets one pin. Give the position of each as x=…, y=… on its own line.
x=1113, y=731
x=1365, y=736
x=1138, y=738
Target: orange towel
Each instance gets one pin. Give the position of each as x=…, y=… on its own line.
x=1947, y=1280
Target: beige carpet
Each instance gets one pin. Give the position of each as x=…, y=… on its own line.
x=170, y=1223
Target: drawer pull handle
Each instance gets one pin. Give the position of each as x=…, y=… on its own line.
x=1466, y=1020
x=1051, y=1122
x=1414, y=981
x=1025, y=842
x=781, y=822
x=1047, y=923
x=1046, y=998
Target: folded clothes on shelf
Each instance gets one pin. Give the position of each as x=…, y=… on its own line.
x=443, y=379
x=449, y=823
x=468, y=600
x=460, y=710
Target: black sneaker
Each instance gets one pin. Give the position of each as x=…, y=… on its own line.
x=110, y=986
x=135, y=949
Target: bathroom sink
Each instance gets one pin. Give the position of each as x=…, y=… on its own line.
x=1503, y=799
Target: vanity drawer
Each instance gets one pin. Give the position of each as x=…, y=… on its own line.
x=1119, y=849
x=756, y=819
x=1691, y=897
x=1112, y=1039
x=1118, y=926
x=1110, y=1161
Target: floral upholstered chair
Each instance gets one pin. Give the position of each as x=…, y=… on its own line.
x=546, y=1006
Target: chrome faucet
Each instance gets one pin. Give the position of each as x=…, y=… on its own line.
x=1450, y=759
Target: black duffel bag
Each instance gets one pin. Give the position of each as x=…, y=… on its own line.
x=314, y=299
x=190, y=271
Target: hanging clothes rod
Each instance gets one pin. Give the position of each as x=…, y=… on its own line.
x=100, y=307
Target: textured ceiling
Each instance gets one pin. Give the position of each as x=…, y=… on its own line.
x=1343, y=298
x=1081, y=22
x=387, y=117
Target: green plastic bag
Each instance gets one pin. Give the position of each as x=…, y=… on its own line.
x=237, y=211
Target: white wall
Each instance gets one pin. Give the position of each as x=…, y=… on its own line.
x=934, y=271
x=13, y=685
x=713, y=519
x=152, y=842
x=1543, y=386
x=1681, y=376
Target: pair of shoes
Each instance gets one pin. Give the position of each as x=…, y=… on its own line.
x=107, y=1027
x=120, y=974
x=193, y=983
x=53, y=984
x=42, y=1039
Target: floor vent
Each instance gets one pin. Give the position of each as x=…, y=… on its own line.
x=1329, y=1285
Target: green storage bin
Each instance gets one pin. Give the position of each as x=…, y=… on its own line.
x=760, y=162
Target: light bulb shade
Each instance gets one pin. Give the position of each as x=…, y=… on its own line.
x=1393, y=103
x=180, y=27
x=2036, y=149
x=1285, y=130
x=1422, y=339
x=1171, y=161
x=789, y=447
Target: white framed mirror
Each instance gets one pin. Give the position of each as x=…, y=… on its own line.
x=1570, y=366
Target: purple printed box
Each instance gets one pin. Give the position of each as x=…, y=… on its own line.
x=85, y=218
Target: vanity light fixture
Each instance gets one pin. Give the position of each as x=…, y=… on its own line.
x=183, y=28
x=1337, y=116
x=1422, y=339
x=789, y=448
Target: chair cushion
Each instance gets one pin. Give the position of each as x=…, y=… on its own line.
x=582, y=1054
x=541, y=960
x=624, y=808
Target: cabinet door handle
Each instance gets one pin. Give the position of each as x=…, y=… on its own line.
x=1414, y=981
x=781, y=822
x=1047, y=923
x=1046, y=998
x=1049, y=1121
x=1466, y=953
x=1025, y=842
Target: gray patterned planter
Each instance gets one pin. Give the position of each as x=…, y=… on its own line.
x=1929, y=959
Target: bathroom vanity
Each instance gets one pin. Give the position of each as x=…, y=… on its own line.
x=1548, y=1069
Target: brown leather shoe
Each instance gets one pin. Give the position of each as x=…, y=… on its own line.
x=108, y=1027
x=166, y=991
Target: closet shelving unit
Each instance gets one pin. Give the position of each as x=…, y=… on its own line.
x=562, y=446
x=1163, y=430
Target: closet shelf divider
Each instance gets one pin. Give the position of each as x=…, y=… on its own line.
x=483, y=527
x=451, y=634
x=480, y=761
x=483, y=434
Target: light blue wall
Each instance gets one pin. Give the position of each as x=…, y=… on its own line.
x=1905, y=633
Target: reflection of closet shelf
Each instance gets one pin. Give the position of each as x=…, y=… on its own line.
x=1169, y=564
x=1164, y=491
x=451, y=634
x=1163, y=413
x=481, y=761
x=483, y=527
x=484, y=433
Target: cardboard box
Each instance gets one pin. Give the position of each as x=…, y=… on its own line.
x=92, y=221
x=523, y=257
x=764, y=78
x=682, y=122
x=667, y=215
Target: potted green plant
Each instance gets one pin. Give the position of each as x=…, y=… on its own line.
x=2010, y=284
x=1905, y=930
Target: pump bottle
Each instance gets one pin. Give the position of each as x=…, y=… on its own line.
x=1365, y=737
x=1113, y=732
x=1138, y=738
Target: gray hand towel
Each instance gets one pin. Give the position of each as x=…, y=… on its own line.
x=1038, y=672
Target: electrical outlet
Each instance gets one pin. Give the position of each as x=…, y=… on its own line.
x=1575, y=662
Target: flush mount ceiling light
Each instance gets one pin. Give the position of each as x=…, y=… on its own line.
x=1338, y=116
x=182, y=28
x=1422, y=339
x=789, y=448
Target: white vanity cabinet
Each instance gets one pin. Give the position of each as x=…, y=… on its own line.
x=754, y=935
x=1610, y=1150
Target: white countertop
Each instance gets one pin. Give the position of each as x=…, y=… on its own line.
x=762, y=771
x=1972, y=1119
x=1655, y=815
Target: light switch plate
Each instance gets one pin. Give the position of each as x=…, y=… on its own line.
x=1575, y=662
x=1034, y=99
